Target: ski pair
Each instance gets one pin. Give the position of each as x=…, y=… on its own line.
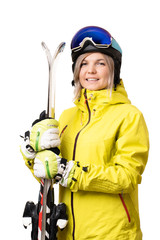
x=45, y=214
x=46, y=189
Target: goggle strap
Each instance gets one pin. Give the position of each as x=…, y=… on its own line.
x=116, y=46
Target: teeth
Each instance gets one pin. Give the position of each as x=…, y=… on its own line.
x=92, y=79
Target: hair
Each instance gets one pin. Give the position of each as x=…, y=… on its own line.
x=78, y=87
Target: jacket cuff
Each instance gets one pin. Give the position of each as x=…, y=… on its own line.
x=76, y=179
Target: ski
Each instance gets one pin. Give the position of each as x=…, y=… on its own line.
x=46, y=188
x=45, y=216
x=52, y=72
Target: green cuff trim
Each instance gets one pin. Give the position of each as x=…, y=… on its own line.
x=37, y=139
x=47, y=168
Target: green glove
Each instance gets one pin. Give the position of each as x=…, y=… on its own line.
x=49, y=165
x=45, y=135
x=28, y=155
x=26, y=150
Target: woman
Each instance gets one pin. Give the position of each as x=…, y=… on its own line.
x=104, y=140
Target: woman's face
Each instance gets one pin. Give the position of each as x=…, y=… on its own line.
x=94, y=72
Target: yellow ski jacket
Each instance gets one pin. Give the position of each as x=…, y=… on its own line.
x=109, y=136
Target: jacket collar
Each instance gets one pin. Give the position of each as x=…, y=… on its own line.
x=103, y=97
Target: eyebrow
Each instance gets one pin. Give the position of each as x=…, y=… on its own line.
x=101, y=59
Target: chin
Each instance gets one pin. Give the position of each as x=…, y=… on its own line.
x=92, y=88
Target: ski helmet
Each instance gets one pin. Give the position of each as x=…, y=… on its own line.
x=96, y=39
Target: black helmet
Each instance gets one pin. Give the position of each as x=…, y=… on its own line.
x=96, y=39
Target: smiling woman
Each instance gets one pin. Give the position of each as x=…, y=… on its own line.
x=93, y=71
x=103, y=143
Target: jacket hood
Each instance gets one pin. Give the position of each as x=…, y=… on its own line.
x=103, y=97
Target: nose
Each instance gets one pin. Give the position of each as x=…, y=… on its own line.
x=91, y=68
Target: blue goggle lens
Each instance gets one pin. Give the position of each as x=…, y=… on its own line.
x=97, y=34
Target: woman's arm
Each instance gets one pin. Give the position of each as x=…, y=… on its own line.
x=127, y=165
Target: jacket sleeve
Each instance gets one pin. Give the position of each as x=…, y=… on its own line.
x=126, y=166
x=29, y=163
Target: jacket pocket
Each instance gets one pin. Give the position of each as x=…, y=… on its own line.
x=125, y=207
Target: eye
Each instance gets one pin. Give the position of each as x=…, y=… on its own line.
x=101, y=63
x=83, y=64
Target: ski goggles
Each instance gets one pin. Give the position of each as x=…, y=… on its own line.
x=99, y=37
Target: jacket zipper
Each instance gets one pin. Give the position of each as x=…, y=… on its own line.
x=74, y=153
x=125, y=207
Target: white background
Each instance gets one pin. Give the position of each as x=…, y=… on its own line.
x=23, y=87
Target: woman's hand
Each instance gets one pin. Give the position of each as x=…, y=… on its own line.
x=49, y=165
x=44, y=134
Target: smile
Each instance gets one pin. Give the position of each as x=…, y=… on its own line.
x=92, y=79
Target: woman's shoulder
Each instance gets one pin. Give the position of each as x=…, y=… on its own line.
x=131, y=115
x=68, y=111
x=129, y=109
x=67, y=114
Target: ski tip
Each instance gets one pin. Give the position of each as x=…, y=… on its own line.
x=59, y=49
x=46, y=49
x=44, y=46
x=62, y=46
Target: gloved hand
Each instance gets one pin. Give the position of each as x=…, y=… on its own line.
x=49, y=165
x=44, y=133
x=68, y=174
x=26, y=150
x=28, y=155
x=72, y=175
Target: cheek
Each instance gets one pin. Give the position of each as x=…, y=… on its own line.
x=106, y=75
x=81, y=76
x=105, y=79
